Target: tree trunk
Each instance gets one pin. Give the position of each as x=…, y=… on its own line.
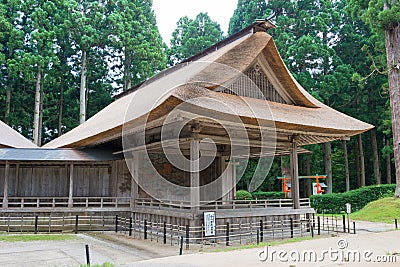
x=8, y=92
x=392, y=40
x=346, y=165
x=127, y=70
x=41, y=111
x=308, y=173
x=328, y=166
x=82, y=96
x=60, y=105
x=362, y=164
x=357, y=162
x=8, y=102
x=388, y=163
x=36, y=114
x=377, y=172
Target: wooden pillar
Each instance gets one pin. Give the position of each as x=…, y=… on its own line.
x=135, y=178
x=294, y=171
x=71, y=186
x=16, y=186
x=225, y=175
x=328, y=167
x=228, y=182
x=194, y=175
x=6, y=177
x=233, y=180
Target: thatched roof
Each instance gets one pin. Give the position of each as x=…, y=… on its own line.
x=302, y=114
x=58, y=154
x=11, y=138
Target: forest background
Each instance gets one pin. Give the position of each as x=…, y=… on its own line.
x=62, y=61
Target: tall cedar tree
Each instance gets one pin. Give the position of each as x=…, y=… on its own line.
x=138, y=41
x=71, y=26
x=384, y=16
x=193, y=36
x=246, y=12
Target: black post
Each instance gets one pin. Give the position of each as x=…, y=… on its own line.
x=313, y=220
x=344, y=223
x=354, y=227
x=319, y=225
x=395, y=223
x=291, y=227
x=130, y=226
x=258, y=236
x=261, y=231
x=36, y=224
x=116, y=223
x=181, y=245
x=312, y=230
x=227, y=234
x=76, y=223
x=87, y=255
x=145, y=229
x=187, y=236
x=165, y=233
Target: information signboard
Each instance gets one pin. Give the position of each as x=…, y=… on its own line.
x=209, y=223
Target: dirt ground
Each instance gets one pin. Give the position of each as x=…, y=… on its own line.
x=122, y=250
x=118, y=249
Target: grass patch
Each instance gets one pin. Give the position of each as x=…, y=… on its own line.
x=263, y=244
x=382, y=210
x=39, y=237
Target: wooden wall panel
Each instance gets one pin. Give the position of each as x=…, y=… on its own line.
x=53, y=181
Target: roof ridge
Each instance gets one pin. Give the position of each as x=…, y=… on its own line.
x=257, y=26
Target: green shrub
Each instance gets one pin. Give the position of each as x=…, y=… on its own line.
x=243, y=195
x=268, y=195
x=358, y=198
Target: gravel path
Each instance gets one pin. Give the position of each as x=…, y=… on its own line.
x=381, y=245
x=117, y=249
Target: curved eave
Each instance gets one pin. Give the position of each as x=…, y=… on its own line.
x=314, y=121
x=9, y=138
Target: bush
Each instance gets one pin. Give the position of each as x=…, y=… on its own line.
x=243, y=195
x=358, y=198
x=267, y=195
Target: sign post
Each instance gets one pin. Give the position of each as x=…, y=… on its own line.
x=348, y=211
x=209, y=223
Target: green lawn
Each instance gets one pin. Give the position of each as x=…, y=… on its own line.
x=39, y=237
x=382, y=210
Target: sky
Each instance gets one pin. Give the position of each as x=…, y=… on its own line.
x=168, y=12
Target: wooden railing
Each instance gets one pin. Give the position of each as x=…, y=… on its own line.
x=160, y=204
x=62, y=202
x=221, y=204
x=123, y=202
x=252, y=204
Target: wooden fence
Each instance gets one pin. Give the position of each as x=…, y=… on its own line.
x=62, y=202
x=162, y=232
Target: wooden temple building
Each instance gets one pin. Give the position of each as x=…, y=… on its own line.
x=235, y=100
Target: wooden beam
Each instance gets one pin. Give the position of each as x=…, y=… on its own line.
x=16, y=187
x=135, y=178
x=294, y=166
x=6, y=177
x=194, y=175
x=71, y=186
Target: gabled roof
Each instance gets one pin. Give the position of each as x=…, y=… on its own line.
x=302, y=114
x=11, y=138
